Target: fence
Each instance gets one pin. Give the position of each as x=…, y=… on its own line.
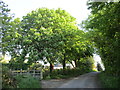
x=35, y=73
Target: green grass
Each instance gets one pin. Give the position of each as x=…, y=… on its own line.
x=108, y=81
x=27, y=82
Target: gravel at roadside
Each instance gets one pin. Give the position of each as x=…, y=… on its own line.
x=54, y=83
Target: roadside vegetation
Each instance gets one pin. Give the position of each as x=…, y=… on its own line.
x=20, y=81
x=69, y=73
x=27, y=82
x=102, y=27
x=44, y=34
x=53, y=36
x=109, y=81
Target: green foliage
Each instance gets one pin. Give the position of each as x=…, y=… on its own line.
x=5, y=18
x=103, y=29
x=36, y=66
x=45, y=33
x=52, y=28
x=86, y=62
x=68, y=73
x=16, y=66
x=8, y=81
x=20, y=81
x=109, y=81
x=27, y=82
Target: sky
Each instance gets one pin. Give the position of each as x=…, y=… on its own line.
x=77, y=8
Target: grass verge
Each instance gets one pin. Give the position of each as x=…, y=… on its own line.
x=27, y=82
x=109, y=81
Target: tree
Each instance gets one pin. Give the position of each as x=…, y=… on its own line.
x=9, y=32
x=5, y=38
x=44, y=33
x=4, y=25
x=49, y=32
x=11, y=36
x=103, y=24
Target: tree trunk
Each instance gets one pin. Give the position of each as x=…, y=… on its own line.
x=75, y=63
x=72, y=64
x=64, y=64
x=51, y=67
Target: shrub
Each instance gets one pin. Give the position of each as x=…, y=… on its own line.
x=27, y=82
x=8, y=81
x=67, y=73
x=108, y=81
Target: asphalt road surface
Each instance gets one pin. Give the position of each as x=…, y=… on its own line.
x=89, y=80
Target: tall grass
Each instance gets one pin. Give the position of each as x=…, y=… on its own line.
x=27, y=82
x=109, y=81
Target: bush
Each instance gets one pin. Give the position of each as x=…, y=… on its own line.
x=109, y=81
x=8, y=81
x=67, y=73
x=27, y=82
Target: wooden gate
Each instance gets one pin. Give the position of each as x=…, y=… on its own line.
x=34, y=73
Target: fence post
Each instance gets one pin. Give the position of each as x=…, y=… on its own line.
x=41, y=75
x=28, y=72
x=21, y=71
x=10, y=71
x=34, y=73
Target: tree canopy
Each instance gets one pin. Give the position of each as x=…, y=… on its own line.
x=103, y=27
x=46, y=33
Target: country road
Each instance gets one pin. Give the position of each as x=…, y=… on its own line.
x=89, y=80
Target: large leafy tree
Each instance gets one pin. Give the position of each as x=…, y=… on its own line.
x=103, y=26
x=6, y=40
x=4, y=24
x=9, y=30
x=48, y=32
x=10, y=34
x=45, y=33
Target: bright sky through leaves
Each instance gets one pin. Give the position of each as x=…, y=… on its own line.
x=77, y=8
